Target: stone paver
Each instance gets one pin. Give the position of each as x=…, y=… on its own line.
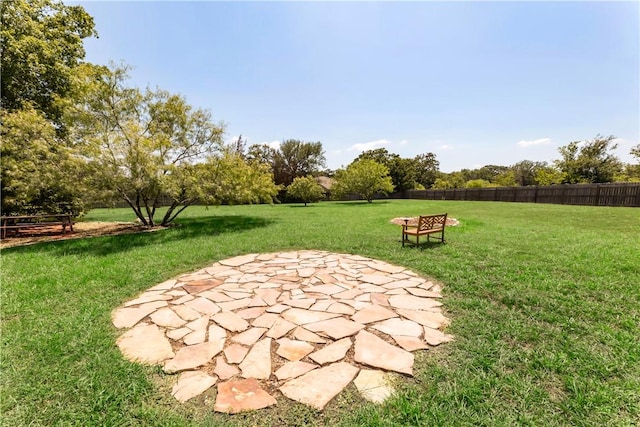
x=293, y=350
x=412, y=302
x=373, y=313
x=332, y=352
x=193, y=356
x=312, y=319
x=410, y=343
x=300, y=316
x=336, y=328
x=373, y=351
x=317, y=387
x=191, y=384
x=250, y=336
x=231, y=321
x=187, y=313
x=243, y=395
x=429, y=319
x=128, y=317
x=235, y=353
x=373, y=385
x=257, y=363
x=435, y=337
x=303, y=334
x=397, y=326
x=203, y=305
x=293, y=369
x=145, y=344
x=223, y=370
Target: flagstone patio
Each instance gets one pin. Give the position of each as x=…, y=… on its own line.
x=306, y=323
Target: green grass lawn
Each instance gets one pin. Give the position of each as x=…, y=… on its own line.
x=544, y=302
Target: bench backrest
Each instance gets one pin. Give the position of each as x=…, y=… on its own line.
x=431, y=222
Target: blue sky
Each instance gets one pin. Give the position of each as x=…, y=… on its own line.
x=475, y=83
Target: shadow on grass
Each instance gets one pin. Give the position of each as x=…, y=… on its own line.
x=363, y=202
x=187, y=228
x=431, y=244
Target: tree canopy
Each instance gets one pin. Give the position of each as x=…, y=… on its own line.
x=296, y=158
x=364, y=177
x=305, y=189
x=40, y=173
x=42, y=50
x=426, y=169
x=589, y=161
x=401, y=170
x=292, y=159
x=42, y=44
x=145, y=145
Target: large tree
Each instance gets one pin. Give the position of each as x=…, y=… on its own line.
x=296, y=158
x=589, y=161
x=548, y=175
x=148, y=144
x=261, y=154
x=292, y=159
x=426, y=169
x=41, y=54
x=40, y=173
x=41, y=48
x=526, y=172
x=631, y=170
x=364, y=177
x=402, y=171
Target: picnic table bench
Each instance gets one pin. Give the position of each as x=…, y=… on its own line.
x=15, y=223
x=426, y=225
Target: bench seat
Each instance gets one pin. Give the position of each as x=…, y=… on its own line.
x=427, y=225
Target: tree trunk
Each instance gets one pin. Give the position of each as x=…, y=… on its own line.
x=168, y=218
x=135, y=208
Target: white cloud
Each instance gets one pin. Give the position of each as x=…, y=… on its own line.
x=403, y=142
x=540, y=141
x=446, y=147
x=273, y=144
x=369, y=145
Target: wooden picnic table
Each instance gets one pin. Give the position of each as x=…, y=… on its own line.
x=18, y=222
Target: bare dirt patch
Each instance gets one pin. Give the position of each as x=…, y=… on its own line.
x=80, y=230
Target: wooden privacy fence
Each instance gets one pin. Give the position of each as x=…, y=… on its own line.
x=618, y=194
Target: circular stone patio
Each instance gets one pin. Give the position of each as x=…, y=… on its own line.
x=306, y=323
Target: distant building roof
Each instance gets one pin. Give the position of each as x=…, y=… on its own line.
x=325, y=182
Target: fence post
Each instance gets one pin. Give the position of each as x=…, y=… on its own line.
x=597, y=195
